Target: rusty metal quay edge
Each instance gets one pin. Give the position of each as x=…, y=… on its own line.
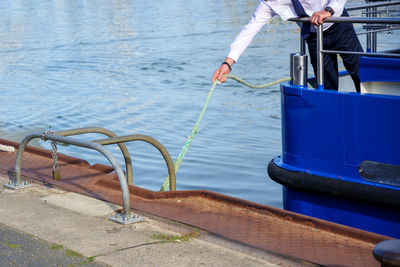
x=252, y=224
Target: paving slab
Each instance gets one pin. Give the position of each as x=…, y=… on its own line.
x=81, y=224
x=81, y=204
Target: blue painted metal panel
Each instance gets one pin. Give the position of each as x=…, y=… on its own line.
x=372, y=129
x=308, y=125
x=333, y=132
x=379, y=69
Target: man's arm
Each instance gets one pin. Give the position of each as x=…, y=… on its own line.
x=260, y=17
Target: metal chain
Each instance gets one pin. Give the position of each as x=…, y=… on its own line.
x=53, y=149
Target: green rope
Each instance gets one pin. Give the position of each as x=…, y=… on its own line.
x=189, y=140
x=178, y=161
x=262, y=86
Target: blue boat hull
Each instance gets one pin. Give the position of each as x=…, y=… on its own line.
x=361, y=206
x=370, y=217
x=341, y=157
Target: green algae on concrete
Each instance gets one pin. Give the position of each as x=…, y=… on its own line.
x=175, y=238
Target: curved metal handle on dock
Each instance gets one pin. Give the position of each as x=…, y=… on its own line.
x=87, y=144
x=152, y=141
x=124, y=149
x=115, y=139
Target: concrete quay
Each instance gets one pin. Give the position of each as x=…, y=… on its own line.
x=45, y=226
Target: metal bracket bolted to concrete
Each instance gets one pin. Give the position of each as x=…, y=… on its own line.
x=122, y=219
x=14, y=185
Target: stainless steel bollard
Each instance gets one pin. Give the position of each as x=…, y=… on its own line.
x=292, y=55
x=298, y=69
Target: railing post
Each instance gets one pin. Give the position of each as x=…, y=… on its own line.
x=320, y=58
x=374, y=35
x=369, y=35
x=18, y=161
x=302, y=45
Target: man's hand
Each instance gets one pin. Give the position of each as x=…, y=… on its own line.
x=222, y=71
x=318, y=17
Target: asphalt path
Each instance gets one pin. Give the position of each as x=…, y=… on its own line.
x=21, y=249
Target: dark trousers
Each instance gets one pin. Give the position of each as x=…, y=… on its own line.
x=340, y=37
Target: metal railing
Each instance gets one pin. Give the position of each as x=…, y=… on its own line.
x=120, y=140
x=373, y=5
x=126, y=217
x=319, y=39
x=152, y=141
x=371, y=11
x=124, y=149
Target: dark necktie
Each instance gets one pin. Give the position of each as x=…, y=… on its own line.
x=305, y=28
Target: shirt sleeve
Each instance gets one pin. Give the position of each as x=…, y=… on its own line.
x=260, y=17
x=337, y=6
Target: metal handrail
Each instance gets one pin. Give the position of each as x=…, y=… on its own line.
x=361, y=53
x=320, y=70
x=394, y=20
x=370, y=5
x=371, y=14
x=380, y=30
x=152, y=141
x=126, y=216
x=124, y=149
x=115, y=139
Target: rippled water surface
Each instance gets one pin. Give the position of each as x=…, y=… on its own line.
x=144, y=67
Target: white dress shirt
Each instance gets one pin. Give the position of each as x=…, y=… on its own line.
x=266, y=9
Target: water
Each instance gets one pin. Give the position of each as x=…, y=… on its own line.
x=144, y=67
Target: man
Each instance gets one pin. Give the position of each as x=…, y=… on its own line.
x=339, y=36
